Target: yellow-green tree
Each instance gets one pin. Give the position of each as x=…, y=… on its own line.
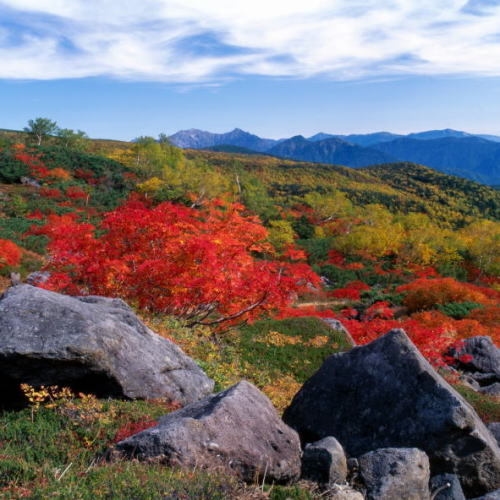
x=281, y=234
x=329, y=206
x=374, y=235
x=40, y=128
x=482, y=240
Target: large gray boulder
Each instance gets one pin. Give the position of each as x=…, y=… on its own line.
x=395, y=473
x=385, y=394
x=92, y=344
x=237, y=430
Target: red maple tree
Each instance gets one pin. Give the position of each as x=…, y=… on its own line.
x=206, y=265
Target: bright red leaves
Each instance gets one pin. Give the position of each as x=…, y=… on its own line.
x=208, y=265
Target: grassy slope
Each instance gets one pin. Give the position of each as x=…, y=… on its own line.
x=55, y=449
x=37, y=446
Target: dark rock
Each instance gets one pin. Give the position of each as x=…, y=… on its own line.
x=446, y=487
x=470, y=382
x=494, y=428
x=491, y=390
x=353, y=464
x=395, y=473
x=15, y=279
x=485, y=355
x=28, y=181
x=324, y=462
x=493, y=495
x=385, y=394
x=37, y=277
x=483, y=379
x=237, y=430
x=91, y=344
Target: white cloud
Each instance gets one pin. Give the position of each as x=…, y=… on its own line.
x=196, y=41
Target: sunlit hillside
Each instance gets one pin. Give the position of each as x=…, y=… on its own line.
x=238, y=259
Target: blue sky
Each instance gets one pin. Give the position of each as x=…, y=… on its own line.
x=275, y=68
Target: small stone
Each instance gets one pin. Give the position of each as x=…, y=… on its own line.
x=395, y=473
x=324, y=462
x=446, y=487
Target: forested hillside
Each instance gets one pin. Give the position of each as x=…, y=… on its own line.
x=400, y=187
x=474, y=157
x=366, y=232
x=236, y=258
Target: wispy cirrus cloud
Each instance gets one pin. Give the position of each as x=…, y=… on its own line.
x=195, y=41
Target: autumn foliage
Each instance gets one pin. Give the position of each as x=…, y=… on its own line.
x=206, y=265
x=424, y=293
x=384, y=263
x=10, y=253
x=351, y=291
x=131, y=428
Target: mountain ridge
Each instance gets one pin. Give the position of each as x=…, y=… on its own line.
x=472, y=156
x=331, y=150
x=201, y=139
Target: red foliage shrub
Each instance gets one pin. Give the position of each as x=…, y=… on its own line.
x=131, y=428
x=431, y=341
x=31, y=160
x=10, y=253
x=352, y=291
x=336, y=258
x=293, y=253
x=35, y=215
x=86, y=175
x=354, y=266
x=53, y=193
x=489, y=315
x=197, y=264
x=59, y=174
x=424, y=271
x=424, y=293
x=350, y=313
x=76, y=193
x=380, y=309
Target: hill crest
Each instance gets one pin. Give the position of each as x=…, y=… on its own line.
x=475, y=157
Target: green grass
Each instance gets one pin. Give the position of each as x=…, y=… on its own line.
x=58, y=452
x=310, y=342
x=487, y=407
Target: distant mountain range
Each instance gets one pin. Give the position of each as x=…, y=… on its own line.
x=198, y=139
x=331, y=150
x=475, y=157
